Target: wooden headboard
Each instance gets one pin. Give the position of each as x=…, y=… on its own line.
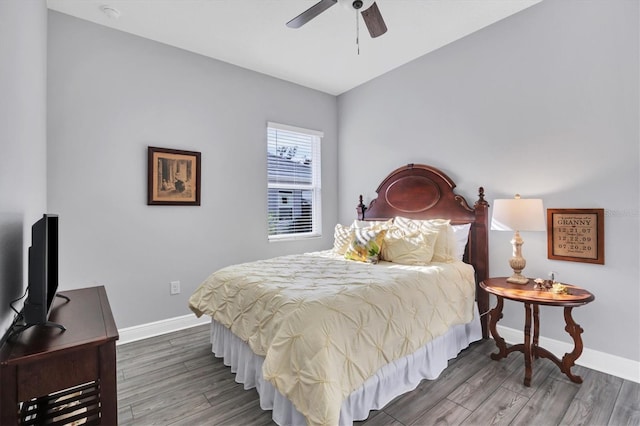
x=418, y=191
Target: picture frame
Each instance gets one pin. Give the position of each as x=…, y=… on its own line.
x=576, y=235
x=173, y=177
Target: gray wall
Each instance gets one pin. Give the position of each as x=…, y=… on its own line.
x=545, y=104
x=111, y=95
x=23, y=127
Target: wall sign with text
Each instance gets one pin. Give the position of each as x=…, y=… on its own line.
x=576, y=235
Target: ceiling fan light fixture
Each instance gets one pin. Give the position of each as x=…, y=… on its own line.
x=356, y=5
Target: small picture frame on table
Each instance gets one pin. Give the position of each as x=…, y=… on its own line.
x=576, y=235
x=173, y=177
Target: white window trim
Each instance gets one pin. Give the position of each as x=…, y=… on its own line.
x=317, y=196
x=280, y=126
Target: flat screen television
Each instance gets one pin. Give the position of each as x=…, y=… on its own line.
x=43, y=271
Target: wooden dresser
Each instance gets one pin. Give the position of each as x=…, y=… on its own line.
x=47, y=374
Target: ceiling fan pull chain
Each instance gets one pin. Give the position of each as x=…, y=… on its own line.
x=357, y=33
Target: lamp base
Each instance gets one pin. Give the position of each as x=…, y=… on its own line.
x=518, y=279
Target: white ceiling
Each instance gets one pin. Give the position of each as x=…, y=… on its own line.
x=321, y=55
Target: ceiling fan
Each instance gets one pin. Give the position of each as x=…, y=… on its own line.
x=371, y=14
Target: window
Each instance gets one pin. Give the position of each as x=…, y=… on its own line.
x=293, y=169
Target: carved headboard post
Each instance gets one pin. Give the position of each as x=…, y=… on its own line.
x=361, y=208
x=480, y=242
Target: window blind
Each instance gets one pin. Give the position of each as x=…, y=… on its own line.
x=294, y=184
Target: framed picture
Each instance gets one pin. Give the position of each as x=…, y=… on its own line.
x=174, y=177
x=576, y=235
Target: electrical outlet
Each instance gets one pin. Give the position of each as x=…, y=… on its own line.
x=175, y=287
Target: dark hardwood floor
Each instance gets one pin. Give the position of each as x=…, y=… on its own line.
x=174, y=379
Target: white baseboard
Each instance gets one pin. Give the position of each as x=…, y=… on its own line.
x=144, y=331
x=595, y=360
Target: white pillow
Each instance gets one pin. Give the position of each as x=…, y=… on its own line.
x=378, y=224
x=444, y=249
x=408, y=248
x=342, y=237
x=461, y=237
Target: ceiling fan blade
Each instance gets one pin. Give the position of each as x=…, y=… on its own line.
x=374, y=21
x=311, y=13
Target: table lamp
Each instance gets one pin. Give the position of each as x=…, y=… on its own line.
x=518, y=214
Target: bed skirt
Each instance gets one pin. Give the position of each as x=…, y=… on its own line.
x=392, y=380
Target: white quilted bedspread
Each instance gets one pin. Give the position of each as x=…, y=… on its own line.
x=325, y=324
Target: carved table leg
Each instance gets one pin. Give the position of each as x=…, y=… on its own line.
x=528, y=358
x=536, y=329
x=568, y=360
x=494, y=316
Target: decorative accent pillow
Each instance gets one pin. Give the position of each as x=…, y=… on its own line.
x=365, y=245
x=408, y=248
x=461, y=237
x=342, y=237
x=444, y=249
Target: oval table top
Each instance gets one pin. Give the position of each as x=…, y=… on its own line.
x=499, y=286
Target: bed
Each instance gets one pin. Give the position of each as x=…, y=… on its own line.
x=325, y=338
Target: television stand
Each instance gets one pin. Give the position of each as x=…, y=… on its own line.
x=17, y=329
x=45, y=373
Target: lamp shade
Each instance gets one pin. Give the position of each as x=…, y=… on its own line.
x=518, y=214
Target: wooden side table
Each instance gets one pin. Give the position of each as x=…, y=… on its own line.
x=532, y=299
x=47, y=373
